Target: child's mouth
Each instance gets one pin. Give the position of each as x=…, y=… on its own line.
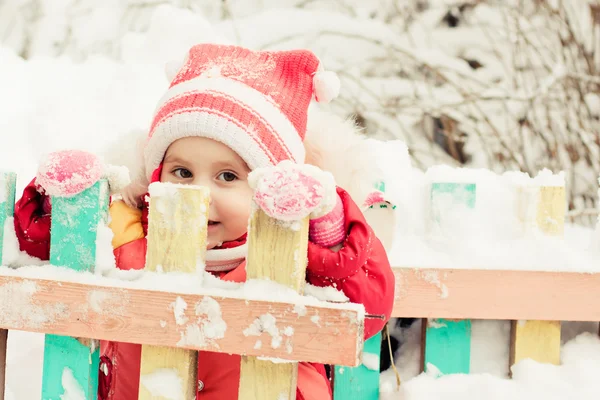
x=212, y=223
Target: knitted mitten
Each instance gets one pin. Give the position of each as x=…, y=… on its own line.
x=329, y=230
x=292, y=191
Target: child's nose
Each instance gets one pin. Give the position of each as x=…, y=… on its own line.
x=202, y=181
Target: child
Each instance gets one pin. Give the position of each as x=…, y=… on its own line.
x=229, y=111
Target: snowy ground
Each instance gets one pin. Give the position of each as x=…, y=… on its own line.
x=49, y=104
x=575, y=378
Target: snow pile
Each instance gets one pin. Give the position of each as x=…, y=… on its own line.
x=208, y=327
x=206, y=284
x=371, y=361
x=73, y=391
x=165, y=195
x=12, y=256
x=164, y=383
x=489, y=367
x=100, y=102
x=18, y=305
x=268, y=323
x=492, y=226
x=575, y=378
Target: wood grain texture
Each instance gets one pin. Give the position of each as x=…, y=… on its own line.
x=135, y=315
x=159, y=363
x=177, y=230
x=277, y=251
x=177, y=236
x=538, y=340
x=264, y=379
x=496, y=294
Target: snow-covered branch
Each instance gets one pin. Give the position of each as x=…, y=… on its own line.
x=500, y=84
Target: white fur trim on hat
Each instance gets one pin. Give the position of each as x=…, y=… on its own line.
x=208, y=124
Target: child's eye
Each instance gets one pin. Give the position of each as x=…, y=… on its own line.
x=182, y=173
x=227, y=176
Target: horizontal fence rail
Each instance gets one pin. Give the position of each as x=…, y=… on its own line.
x=496, y=294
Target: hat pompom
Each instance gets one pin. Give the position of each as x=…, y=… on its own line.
x=173, y=67
x=326, y=86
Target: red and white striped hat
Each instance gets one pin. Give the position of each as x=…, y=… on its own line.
x=254, y=102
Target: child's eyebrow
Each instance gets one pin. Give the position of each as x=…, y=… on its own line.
x=175, y=159
x=233, y=164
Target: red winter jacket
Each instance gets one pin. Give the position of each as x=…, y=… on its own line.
x=360, y=269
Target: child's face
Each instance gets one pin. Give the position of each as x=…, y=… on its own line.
x=206, y=162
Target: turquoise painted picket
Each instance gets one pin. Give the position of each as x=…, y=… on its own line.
x=73, y=245
x=8, y=182
x=448, y=343
x=362, y=382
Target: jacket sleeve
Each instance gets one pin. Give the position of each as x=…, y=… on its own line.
x=32, y=223
x=360, y=268
x=129, y=240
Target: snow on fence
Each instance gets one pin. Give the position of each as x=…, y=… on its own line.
x=90, y=306
x=272, y=330
x=535, y=301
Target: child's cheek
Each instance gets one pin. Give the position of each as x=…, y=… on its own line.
x=242, y=203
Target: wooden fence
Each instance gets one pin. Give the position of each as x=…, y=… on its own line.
x=446, y=299
x=76, y=313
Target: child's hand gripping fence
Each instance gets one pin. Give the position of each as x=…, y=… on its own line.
x=84, y=305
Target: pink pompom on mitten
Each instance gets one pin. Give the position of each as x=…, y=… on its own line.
x=68, y=172
x=290, y=192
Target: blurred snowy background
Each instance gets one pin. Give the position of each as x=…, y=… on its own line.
x=500, y=84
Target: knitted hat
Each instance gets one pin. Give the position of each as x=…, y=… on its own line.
x=254, y=102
